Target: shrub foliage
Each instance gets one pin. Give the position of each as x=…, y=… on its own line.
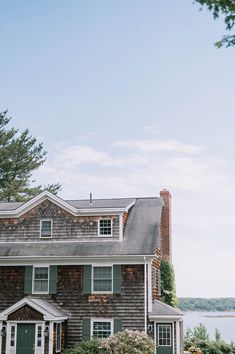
x=128, y=341
x=197, y=341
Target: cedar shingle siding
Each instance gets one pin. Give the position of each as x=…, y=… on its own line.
x=127, y=306
x=65, y=226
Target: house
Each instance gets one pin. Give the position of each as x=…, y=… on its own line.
x=70, y=270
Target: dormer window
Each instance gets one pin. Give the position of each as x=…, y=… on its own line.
x=45, y=228
x=105, y=227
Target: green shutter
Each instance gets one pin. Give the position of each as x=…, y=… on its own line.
x=53, y=280
x=86, y=329
x=87, y=279
x=117, y=272
x=28, y=279
x=117, y=326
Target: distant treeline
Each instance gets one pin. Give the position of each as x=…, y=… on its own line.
x=201, y=304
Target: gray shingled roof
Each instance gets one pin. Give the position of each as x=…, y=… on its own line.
x=101, y=203
x=141, y=237
x=9, y=206
x=161, y=309
x=80, y=204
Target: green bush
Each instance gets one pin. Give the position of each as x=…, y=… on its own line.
x=91, y=346
x=199, y=338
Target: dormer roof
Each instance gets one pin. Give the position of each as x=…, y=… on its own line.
x=75, y=207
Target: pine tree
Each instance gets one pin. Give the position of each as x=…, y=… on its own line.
x=20, y=155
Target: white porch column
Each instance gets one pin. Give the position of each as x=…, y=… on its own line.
x=178, y=337
x=51, y=338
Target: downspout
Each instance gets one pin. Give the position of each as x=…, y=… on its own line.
x=145, y=297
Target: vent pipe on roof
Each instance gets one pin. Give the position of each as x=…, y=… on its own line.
x=90, y=198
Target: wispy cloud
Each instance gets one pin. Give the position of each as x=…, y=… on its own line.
x=149, y=146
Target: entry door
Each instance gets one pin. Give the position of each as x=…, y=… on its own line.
x=164, y=338
x=25, y=338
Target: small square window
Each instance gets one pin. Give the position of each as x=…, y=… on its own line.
x=46, y=228
x=105, y=227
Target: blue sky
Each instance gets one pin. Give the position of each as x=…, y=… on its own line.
x=130, y=97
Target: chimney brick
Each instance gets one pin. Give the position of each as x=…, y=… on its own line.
x=165, y=229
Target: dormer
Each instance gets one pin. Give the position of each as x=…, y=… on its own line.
x=47, y=217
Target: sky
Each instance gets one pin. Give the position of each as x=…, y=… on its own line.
x=128, y=98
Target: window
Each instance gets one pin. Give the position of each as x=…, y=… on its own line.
x=102, y=328
x=164, y=335
x=105, y=227
x=12, y=338
x=58, y=336
x=40, y=279
x=39, y=336
x=45, y=228
x=102, y=279
x=154, y=278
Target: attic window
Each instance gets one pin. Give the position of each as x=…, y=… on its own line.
x=45, y=228
x=105, y=227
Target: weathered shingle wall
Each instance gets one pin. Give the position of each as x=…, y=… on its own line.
x=65, y=225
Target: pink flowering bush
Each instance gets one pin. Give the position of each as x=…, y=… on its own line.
x=127, y=342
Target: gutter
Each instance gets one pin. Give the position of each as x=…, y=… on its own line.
x=145, y=296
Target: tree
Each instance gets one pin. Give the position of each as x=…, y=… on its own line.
x=20, y=155
x=225, y=8
x=168, y=291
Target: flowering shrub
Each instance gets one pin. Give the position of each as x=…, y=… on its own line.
x=127, y=342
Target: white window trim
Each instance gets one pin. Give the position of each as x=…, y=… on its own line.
x=58, y=349
x=33, y=278
x=92, y=279
x=101, y=235
x=110, y=320
x=41, y=220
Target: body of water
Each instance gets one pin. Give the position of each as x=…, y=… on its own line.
x=223, y=321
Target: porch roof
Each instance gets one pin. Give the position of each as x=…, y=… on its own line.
x=50, y=312
x=161, y=310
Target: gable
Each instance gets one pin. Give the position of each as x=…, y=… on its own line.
x=25, y=313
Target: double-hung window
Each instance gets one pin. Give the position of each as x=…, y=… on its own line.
x=105, y=227
x=58, y=336
x=102, y=328
x=102, y=279
x=45, y=228
x=41, y=279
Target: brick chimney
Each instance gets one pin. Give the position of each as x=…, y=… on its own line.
x=165, y=229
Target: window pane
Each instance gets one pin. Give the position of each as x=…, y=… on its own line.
x=101, y=329
x=39, y=336
x=41, y=279
x=58, y=336
x=102, y=279
x=102, y=272
x=164, y=335
x=105, y=227
x=46, y=227
x=12, y=341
